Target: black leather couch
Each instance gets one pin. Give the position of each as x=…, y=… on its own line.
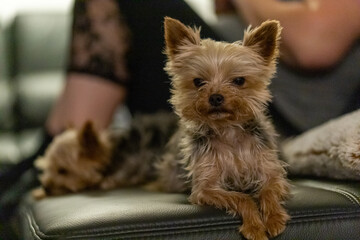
x=320, y=209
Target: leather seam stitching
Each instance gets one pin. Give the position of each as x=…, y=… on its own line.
x=352, y=195
x=344, y=193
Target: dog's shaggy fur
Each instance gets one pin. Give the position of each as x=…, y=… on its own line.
x=223, y=150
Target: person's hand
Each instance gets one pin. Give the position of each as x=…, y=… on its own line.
x=224, y=6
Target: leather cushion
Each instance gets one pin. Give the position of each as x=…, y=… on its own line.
x=6, y=104
x=40, y=41
x=15, y=146
x=37, y=92
x=319, y=209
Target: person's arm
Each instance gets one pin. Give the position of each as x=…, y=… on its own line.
x=316, y=33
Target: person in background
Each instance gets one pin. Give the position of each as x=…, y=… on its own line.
x=318, y=77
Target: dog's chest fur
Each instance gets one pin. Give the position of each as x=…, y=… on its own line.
x=231, y=158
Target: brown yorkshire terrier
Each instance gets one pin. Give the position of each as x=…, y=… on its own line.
x=223, y=149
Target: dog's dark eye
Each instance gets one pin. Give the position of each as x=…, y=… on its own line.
x=239, y=81
x=198, y=82
x=62, y=171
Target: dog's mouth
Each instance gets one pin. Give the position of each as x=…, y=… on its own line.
x=218, y=113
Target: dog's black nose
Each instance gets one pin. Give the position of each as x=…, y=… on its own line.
x=216, y=100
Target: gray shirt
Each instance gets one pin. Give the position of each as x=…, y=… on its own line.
x=308, y=100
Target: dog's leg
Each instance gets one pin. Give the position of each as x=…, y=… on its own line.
x=235, y=203
x=271, y=197
x=112, y=182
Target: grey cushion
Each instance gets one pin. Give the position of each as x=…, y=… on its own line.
x=40, y=41
x=15, y=146
x=9, y=149
x=3, y=50
x=37, y=92
x=6, y=105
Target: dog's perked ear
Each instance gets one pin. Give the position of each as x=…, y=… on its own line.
x=264, y=40
x=88, y=139
x=177, y=35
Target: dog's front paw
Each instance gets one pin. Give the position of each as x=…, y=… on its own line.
x=253, y=231
x=38, y=193
x=276, y=222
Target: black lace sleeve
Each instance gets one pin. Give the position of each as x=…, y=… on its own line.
x=100, y=40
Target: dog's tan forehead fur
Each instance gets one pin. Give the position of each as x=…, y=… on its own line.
x=217, y=61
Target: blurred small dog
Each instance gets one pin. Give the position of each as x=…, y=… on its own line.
x=223, y=149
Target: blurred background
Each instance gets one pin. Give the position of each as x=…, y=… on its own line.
x=34, y=38
x=33, y=47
